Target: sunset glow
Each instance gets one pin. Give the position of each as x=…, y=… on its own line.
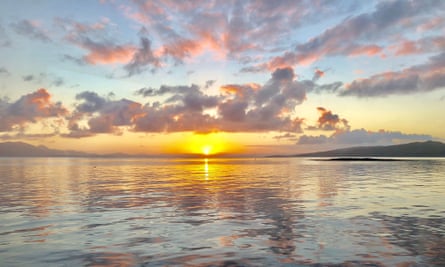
x=205, y=145
x=206, y=150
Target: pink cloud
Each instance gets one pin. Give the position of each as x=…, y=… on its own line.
x=92, y=38
x=109, y=55
x=423, y=45
x=369, y=50
x=407, y=48
x=432, y=24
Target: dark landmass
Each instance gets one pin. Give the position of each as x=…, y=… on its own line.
x=20, y=149
x=359, y=159
x=416, y=149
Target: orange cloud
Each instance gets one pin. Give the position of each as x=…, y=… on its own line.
x=110, y=55
x=369, y=50
x=406, y=48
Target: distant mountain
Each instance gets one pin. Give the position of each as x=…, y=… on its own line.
x=20, y=149
x=417, y=149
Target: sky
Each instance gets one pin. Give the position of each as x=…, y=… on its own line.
x=210, y=77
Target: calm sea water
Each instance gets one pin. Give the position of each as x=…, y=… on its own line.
x=221, y=212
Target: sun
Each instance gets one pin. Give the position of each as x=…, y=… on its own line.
x=203, y=145
x=206, y=150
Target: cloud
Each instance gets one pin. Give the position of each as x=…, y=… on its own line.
x=312, y=140
x=419, y=78
x=78, y=61
x=4, y=71
x=424, y=45
x=96, y=40
x=186, y=30
x=28, y=78
x=58, y=81
x=317, y=75
x=43, y=77
x=22, y=135
x=237, y=108
x=4, y=38
x=356, y=35
x=343, y=135
x=92, y=102
x=102, y=115
x=286, y=136
x=30, y=108
x=142, y=59
x=209, y=83
x=251, y=107
x=30, y=29
x=432, y=24
x=330, y=122
x=181, y=48
x=183, y=110
x=107, y=53
x=362, y=137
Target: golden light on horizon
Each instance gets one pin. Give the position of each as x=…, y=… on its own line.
x=204, y=144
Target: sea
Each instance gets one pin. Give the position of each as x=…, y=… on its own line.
x=221, y=212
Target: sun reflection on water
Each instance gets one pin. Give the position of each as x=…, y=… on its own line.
x=206, y=168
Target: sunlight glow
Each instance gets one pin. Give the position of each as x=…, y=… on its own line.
x=206, y=150
x=204, y=145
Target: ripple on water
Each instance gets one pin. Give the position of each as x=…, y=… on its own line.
x=273, y=212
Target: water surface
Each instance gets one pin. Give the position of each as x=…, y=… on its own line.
x=221, y=212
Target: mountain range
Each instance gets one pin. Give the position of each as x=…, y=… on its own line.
x=20, y=149
x=417, y=149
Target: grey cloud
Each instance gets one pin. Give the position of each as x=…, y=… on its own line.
x=4, y=38
x=240, y=108
x=328, y=88
x=232, y=110
x=92, y=102
x=35, y=78
x=237, y=108
x=4, y=71
x=103, y=115
x=58, y=81
x=286, y=136
x=312, y=140
x=209, y=83
x=142, y=59
x=166, y=89
x=284, y=74
x=28, y=78
x=27, y=28
x=78, y=61
x=419, y=78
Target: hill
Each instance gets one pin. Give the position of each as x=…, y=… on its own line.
x=417, y=149
x=20, y=149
